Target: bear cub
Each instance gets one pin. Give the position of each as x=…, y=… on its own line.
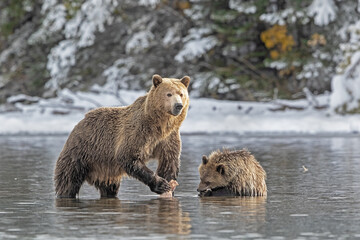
x=231, y=173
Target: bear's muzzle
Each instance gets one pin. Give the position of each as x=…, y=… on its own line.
x=177, y=109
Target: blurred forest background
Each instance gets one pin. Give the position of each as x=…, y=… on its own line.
x=251, y=50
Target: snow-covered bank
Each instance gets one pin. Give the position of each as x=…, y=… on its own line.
x=228, y=118
x=60, y=115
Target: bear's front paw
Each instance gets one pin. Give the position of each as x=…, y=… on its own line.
x=160, y=186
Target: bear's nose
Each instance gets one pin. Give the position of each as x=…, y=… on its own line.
x=178, y=106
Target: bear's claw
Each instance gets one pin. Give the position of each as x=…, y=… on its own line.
x=161, y=186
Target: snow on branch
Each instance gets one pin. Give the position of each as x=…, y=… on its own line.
x=345, y=96
x=196, y=44
x=241, y=7
x=149, y=3
x=54, y=21
x=323, y=12
x=91, y=18
x=60, y=60
x=139, y=41
x=79, y=32
x=286, y=16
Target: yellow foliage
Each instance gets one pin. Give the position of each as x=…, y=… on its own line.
x=183, y=5
x=316, y=39
x=179, y=4
x=274, y=54
x=287, y=71
x=277, y=40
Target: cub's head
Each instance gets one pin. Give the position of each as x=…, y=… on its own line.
x=216, y=172
x=170, y=94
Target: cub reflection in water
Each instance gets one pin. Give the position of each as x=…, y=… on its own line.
x=241, y=211
x=231, y=173
x=156, y=216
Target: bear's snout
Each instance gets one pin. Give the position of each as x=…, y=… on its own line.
x=177, y=108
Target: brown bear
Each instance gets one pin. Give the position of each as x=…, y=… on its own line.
x=111, y=142
x=235, y=173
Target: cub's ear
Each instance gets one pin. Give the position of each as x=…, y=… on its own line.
x=157, y=79
x=220, y=169
x=185, y=80
x=204, y=159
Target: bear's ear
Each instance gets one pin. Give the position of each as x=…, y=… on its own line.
x=220, y=169
x=204, y=159
x=185, y=80
x=157, y=79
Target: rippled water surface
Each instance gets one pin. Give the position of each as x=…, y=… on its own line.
x=321, y=203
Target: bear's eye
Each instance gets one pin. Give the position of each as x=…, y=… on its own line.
x=207, y=183
x=181, y=95
x=169, y=94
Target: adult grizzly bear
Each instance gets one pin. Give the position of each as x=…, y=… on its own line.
x=235, y=173
x=111, y=142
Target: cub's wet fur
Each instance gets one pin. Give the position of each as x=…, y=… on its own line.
x=231, y=173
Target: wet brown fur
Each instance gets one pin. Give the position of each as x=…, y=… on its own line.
x=111, y=142
x=237, y=171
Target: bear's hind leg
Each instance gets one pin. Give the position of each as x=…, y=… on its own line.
x=67, y=187
x=108, y=189
x=68, y=179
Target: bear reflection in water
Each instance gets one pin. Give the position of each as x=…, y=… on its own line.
x=231, y=173
x=162, y=215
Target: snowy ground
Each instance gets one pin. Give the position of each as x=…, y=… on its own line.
x=59, y=115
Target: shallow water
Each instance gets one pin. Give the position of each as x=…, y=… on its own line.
x=321, y=203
